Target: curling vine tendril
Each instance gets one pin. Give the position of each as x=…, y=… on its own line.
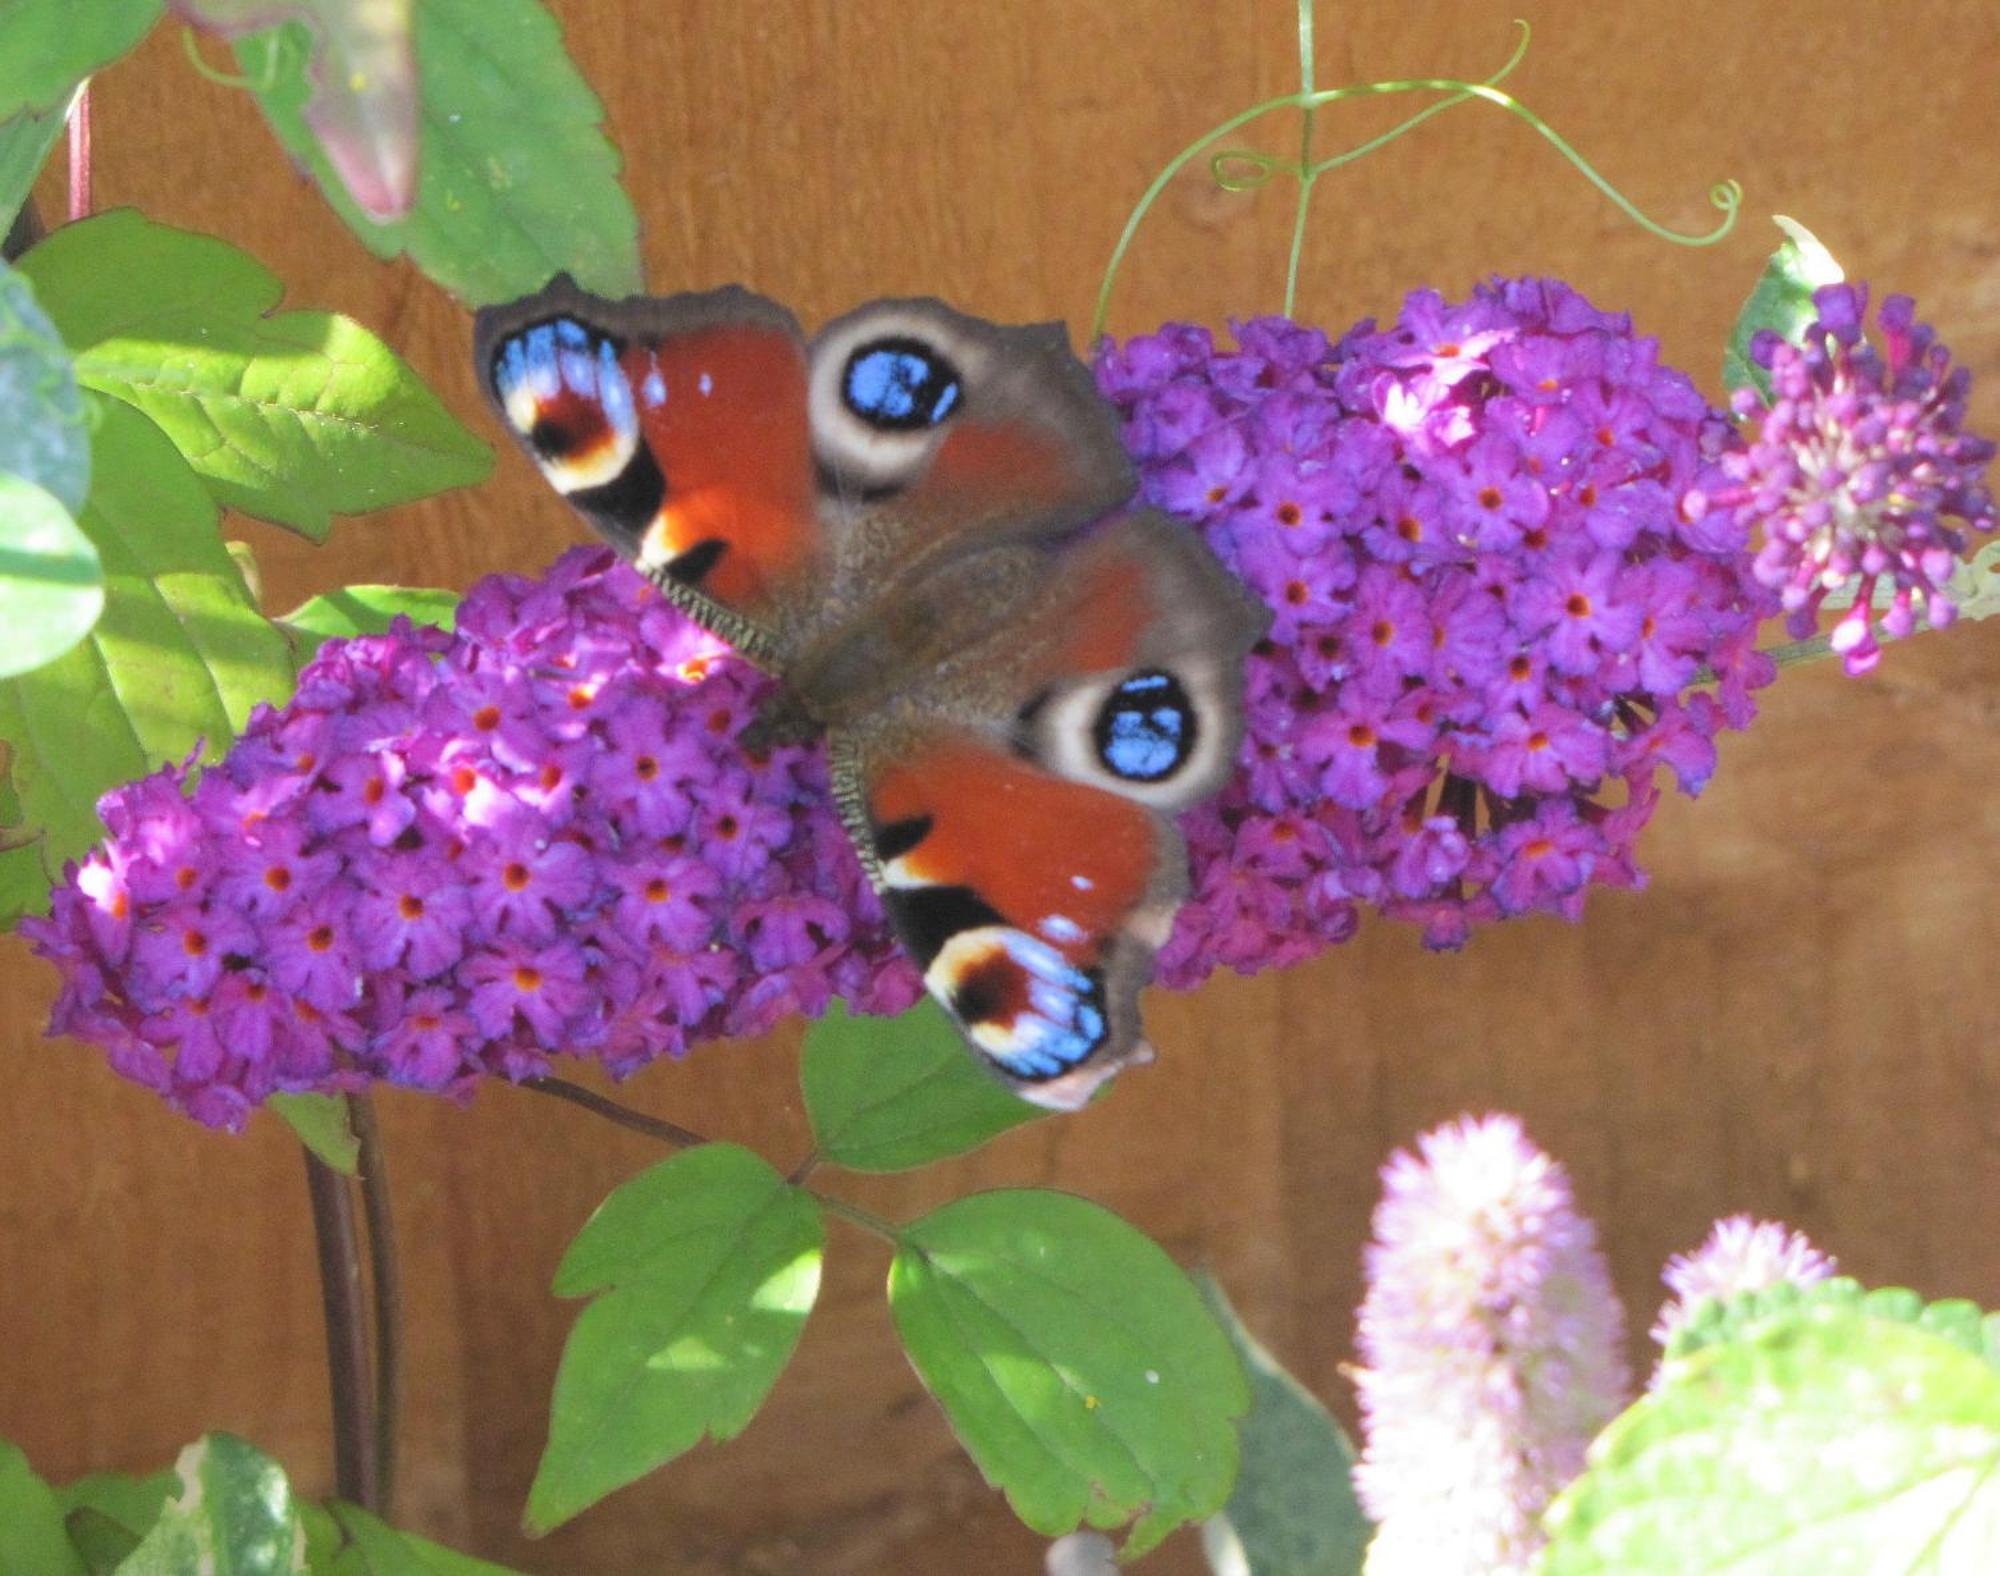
x=1244, y=170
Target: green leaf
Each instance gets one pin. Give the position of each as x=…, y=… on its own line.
x=886, y=1094
x=704, y=1269
x=101, y=1543
x=1075, y=1362
x=1715, y=1320
x=517, y=181
x=1293, y=1511
x=43, y=437
x=48, y=46
x=322, y=1125
x=180, y=655
x=1832, y=1440
x=376, y=1549
x=32, y=1539
x=25, y=140
x=1782, y=302
x=108, y=1513
x=365, y=610
x=234, y=1516
x=51, y=583
x=363, y=72
x=293, y=417
x=24, y=885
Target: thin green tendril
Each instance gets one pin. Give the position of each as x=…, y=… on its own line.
x=1306, y=174
x=263, y=82
x=1236, y=170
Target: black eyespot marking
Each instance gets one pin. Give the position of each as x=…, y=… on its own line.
x=624, y=506
x=693, y=565
x=550, y=439
x=900, y=385
x=1145, y=730
x=899, y=837
x=927, y=917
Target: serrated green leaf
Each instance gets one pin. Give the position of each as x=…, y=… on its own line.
x=1716, y=1320
x=376, y=1549
x=704, y=1269
x=366, y=610
x=1829, y=1441
x=179, y=656
x=322, y=1125
x=233, y=1516
x=43, y=436
x=108, y=1513
x=26, y=139
x=292, y=417
x=1293, y=1511
x=1781, y=302
x=32, y=1539
x=886, y=1094
x=1074, y=1360
x=517, y=181
x=51, y=583
x=363, y=73
x=48, y=46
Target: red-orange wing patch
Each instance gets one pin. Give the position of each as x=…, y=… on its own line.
x=1017, y=892
x=677, y=427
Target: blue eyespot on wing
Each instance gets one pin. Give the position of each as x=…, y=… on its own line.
x=900, y=385
x=1146, y=729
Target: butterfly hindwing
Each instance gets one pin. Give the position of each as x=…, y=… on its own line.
x=1032, y=904
x=1026, y=850
x=1133, y=666
x=677, y=427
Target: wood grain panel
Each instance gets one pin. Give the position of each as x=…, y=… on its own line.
x=1794, y=1019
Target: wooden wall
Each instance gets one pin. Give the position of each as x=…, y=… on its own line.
x=1796, y=1019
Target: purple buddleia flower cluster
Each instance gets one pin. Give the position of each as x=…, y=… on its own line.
x=1861, y=473
x=1740, y=1255
x=1492, y=608
x=450, y=856
x=1490, y=1351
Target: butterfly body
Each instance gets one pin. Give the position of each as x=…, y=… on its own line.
x=920, y=523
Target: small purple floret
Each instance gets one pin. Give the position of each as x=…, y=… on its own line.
x=1861, y=475
x=1495, y=586
x=451, y=856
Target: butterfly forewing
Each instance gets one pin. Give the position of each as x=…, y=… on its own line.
x=677, y=427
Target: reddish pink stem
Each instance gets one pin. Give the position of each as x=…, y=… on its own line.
x=79, y=156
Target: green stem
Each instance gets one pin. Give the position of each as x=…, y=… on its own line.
x=385, y=1290
x=652, y=1126
x=1306, y=174
x=682, y=1138
x=854, y=1215
x=356, y=1464
x=1727, y=196
x=263, y=82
